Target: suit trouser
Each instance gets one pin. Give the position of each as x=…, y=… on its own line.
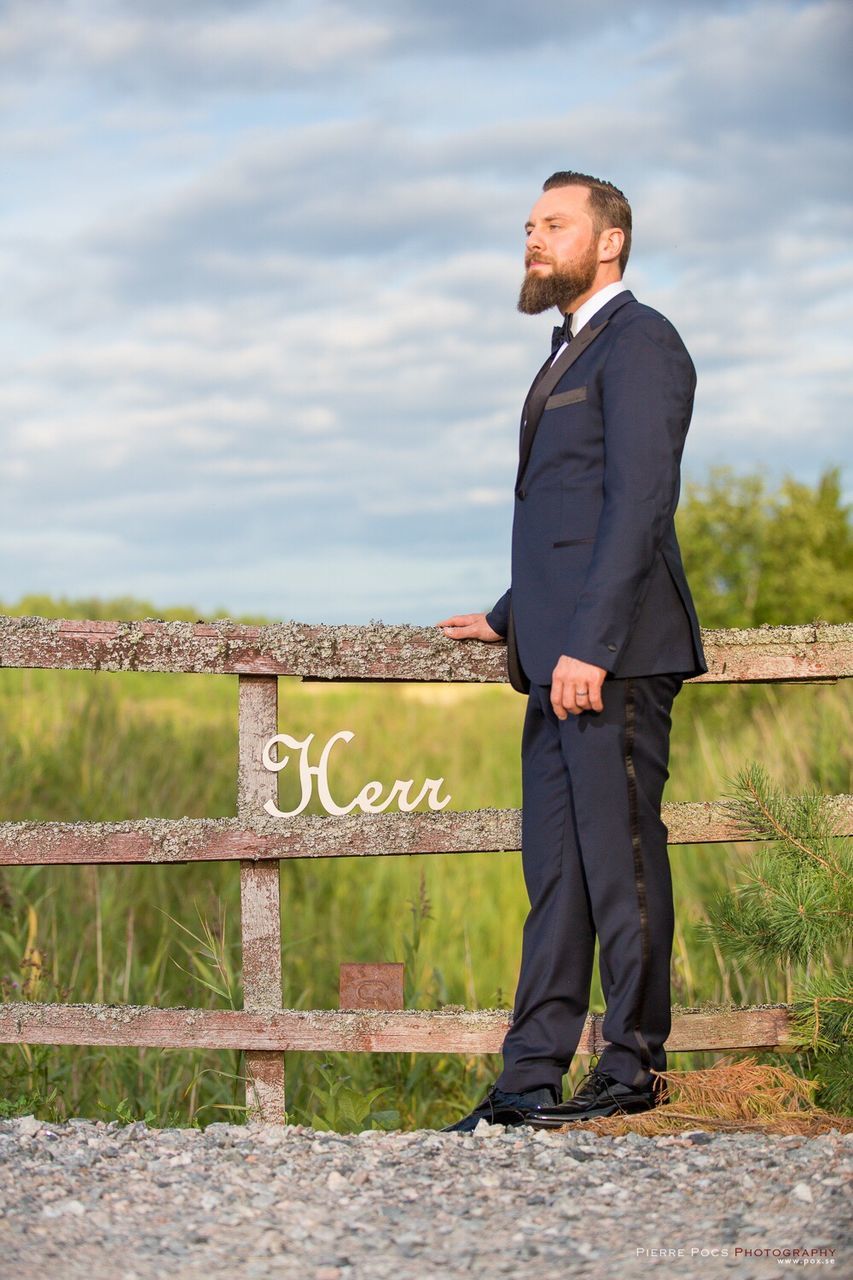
x=595, y=862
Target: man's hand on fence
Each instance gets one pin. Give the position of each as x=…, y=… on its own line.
x=576, y=687
x=468, y=626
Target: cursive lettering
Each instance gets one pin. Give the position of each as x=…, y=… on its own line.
x=368, y=799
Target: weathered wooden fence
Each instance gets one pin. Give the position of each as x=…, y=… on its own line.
x=257, y=656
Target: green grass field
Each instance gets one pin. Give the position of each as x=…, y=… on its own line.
x=101, y=746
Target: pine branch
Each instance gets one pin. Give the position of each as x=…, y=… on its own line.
x=762, y=809
x=795, y=908
x=822, y=1013
x=797, y=901
x=835, y=1072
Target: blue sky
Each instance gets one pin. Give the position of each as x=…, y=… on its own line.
x=260, y=348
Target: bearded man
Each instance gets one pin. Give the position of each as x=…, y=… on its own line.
x=601, y=632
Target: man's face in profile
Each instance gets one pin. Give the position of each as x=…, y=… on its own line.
x=561, y=253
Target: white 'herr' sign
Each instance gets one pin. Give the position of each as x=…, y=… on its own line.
x=367, y=800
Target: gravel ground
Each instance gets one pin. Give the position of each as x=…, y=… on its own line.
x=87, y=1199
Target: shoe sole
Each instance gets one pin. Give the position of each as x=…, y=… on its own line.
x=506, y=1124
x=546, y=1121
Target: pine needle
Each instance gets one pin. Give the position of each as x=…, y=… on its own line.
x=727, y=1097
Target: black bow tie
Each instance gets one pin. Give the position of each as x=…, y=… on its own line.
x=562, y=333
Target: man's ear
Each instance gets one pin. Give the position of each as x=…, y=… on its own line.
x=610, y=244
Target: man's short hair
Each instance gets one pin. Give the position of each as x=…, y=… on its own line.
x=607, y=203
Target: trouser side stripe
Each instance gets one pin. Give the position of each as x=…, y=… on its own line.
x=639, y=870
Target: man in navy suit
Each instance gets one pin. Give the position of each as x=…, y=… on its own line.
x=601, y=632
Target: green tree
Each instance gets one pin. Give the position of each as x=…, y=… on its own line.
x=117, y=609
x=756, y=556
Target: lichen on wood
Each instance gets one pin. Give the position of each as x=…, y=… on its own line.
x=361, y=835
x=376, y=651
x=368, y=1030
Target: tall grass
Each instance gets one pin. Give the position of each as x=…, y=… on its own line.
x=98, y=746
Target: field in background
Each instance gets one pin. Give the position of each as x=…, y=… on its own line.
x=102, y=747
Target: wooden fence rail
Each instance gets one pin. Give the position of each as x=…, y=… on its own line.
x=258, y=656
x=820, y=651
x=159, y=840
x=447, y=1030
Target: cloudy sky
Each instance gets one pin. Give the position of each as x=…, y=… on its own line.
x=260, y=262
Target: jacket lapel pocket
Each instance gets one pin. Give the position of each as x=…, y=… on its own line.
x=575, y=396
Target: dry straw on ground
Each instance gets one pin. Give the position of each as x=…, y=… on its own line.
x=730, y=1096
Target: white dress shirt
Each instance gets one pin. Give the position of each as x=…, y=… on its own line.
x=591, y=306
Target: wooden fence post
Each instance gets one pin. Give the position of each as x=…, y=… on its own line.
x=260, y=903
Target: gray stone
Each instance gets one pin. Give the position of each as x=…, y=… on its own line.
x=397, y=1206
x=28, y=1126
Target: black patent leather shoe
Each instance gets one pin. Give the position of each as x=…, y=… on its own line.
x=499, y=1107
x=600, y=1094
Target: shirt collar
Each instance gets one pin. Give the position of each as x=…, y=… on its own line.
x=595, y=303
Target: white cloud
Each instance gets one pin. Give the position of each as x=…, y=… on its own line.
x=244, y=364
x=130, y=48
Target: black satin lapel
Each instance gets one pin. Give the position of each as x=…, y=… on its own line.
x=534, y=384
x=541, y=390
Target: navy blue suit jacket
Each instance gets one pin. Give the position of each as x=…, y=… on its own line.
x=596, y=566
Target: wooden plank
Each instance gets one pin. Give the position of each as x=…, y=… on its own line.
x=818, y=651
x=450, y=1030
x=374, y=652
x=810, y=653
x=260, y=904
x=162, y=840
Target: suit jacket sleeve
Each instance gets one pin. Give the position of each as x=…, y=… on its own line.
x=498, y=617
x=647, y=399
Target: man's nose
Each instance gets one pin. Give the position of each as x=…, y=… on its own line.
x=534, y=239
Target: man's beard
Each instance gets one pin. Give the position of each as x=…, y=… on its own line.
x=560, y=288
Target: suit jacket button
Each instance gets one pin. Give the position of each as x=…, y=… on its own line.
x=612, y=648
x=521, y=493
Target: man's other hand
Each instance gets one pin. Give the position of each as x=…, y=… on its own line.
x=468, y=626
x=576, y=687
